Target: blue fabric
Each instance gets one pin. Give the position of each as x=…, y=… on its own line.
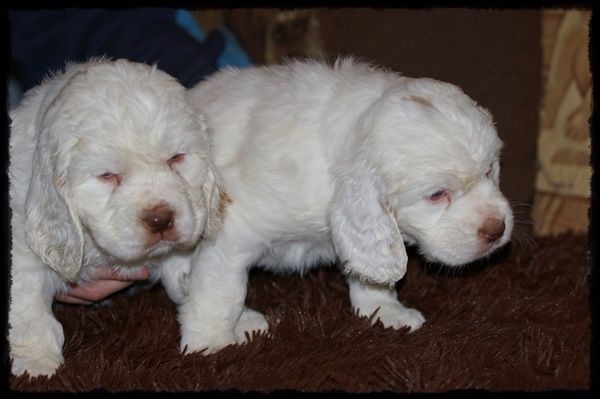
x=232, y=54
x=186, y=20
x=43, y=41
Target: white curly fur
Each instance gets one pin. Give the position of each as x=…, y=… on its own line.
x=101, y=116
x=324, y=162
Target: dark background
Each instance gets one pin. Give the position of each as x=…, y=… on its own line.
x=493, y=55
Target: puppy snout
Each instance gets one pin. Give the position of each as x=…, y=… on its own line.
x=492, y=229
x=158, y=219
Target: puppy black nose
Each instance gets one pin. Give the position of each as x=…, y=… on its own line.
x=491, y=229
x=158, y=218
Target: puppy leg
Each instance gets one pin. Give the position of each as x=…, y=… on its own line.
x=217, y=293
x=369, y=298
x=35, y=336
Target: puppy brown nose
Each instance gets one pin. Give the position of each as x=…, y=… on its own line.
x=158, y=219
x=491, y=229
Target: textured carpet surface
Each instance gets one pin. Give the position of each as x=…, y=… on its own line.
x=517, y=322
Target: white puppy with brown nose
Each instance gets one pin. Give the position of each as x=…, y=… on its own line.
x=345, y=161
x=108, y=166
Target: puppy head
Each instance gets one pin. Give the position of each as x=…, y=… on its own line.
x=438, y=152
x=130, y=159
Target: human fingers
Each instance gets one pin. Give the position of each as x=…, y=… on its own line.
x=93, y=291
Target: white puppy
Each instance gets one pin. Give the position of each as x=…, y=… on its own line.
x=109, y=166
x=347, y=161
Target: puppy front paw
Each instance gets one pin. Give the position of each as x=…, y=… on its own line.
x=43, y=363
x=397, y=316
x=36, y=349
x=205, y=330
x=250, y=321
x=205, y=341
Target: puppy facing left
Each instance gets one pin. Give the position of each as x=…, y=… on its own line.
x=108, y=166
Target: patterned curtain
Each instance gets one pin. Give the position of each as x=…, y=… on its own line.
x=563, y=176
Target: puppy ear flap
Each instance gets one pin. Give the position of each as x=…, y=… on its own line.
x=52, y=227
x=216, y=201
x=214, y=197
x=364, y=230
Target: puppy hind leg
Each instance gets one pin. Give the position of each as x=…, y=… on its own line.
x=371, y=299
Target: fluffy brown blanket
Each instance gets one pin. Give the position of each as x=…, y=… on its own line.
x=519, y=321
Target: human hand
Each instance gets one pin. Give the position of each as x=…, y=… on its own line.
x=107, y=281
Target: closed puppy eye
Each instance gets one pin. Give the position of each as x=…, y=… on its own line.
x=438, y=196
x=488, y=174
x=110, y=177
x=175, y=159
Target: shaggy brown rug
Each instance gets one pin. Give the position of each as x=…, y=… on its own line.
x=520, y=321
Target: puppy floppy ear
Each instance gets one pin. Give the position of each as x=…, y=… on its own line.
x=52, y=226
x=214, y=196
x=363, y=229
x=216, y=201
